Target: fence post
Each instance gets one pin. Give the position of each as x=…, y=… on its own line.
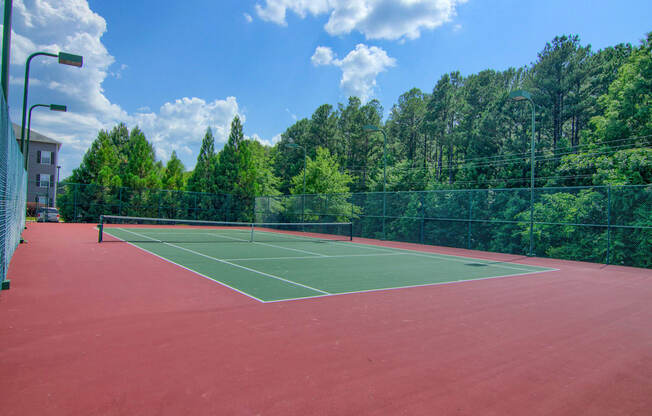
x=120, y=201
x=468, y=243
x=609, y=224
x=384, y=211
x=422, y=231
x=303, y=206
x=269, y=209
x=229, y=208
x=74, y=202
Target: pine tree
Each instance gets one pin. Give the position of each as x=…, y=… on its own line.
x=173, y=178
x=201, y=179
x=227, y=169
x=142, y=171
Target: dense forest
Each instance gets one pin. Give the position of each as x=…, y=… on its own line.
x=593, y=118
x=593, y=126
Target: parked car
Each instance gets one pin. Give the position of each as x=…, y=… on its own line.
x=47, y=215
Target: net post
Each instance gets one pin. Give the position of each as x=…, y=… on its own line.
x=101, y=228
x=251, y=238
x=351, y=231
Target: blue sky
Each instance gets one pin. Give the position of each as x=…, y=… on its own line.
x=173, y=68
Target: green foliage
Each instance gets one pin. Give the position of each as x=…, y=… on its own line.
x=628, y=104
x=201, y=179
x=593, y=127
x=323, y=176
x=330, y=187
x=174, y=177
x=566, y=233
x=243, y=173
x=141, y=170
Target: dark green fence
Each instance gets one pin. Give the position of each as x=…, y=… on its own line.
x=85, y=203
x=13, y=190
x=604, y=224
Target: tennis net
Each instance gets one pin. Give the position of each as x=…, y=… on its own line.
x=164, y=230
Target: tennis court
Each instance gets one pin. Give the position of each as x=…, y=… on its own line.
x=122, y=331
x=280, y=262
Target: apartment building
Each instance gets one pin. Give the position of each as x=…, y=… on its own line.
x=42, y=172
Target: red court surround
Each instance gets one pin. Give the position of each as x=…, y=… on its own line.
x=106, y=329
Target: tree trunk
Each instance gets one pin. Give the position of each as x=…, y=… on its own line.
x=450, y=164
x=440, y=161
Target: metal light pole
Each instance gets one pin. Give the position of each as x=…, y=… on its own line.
x=303, y=195
x=375, y=128
x=56, y=186
x=53, y=107
x=522, y=95
x=64, y=59
x=6, y=48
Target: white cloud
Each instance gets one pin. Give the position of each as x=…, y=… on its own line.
x=323, y=56
x=183, y=123
x=376, y=19
x=359, y=68
x=266, y=142
x=248, y=17
x=70, y=25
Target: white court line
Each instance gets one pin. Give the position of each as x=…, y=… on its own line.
x=229, y=263
x=187, y=268
x=384, y=250
x=458, y=259
x=408, y=287
x=318, y=258
x=270, y=245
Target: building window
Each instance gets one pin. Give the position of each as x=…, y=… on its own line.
x=45, y=158
x=42, y=200
x=43, y=180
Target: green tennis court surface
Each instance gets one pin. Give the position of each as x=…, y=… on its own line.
x=284, y=267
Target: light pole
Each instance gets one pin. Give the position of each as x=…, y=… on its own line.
x=56, y=186
x=522, y=95
x=64, y=59
x=6, y=43
x=303, y=195
x=53, y=107
x=375, y=128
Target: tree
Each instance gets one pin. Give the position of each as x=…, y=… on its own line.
x=628, y=103
x=362, y=148
x=405, y=124
x=100, y=164
x=173, y=177
x=142, y=171
x=331, y=186
x=262, y=176
x=288, y=162
x=201, y=179
x=230, y=159
x=323, y=131
x=443, y=118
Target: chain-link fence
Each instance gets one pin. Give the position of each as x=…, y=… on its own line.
x=605, y=224
x=85, y=203
x=13, y=188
